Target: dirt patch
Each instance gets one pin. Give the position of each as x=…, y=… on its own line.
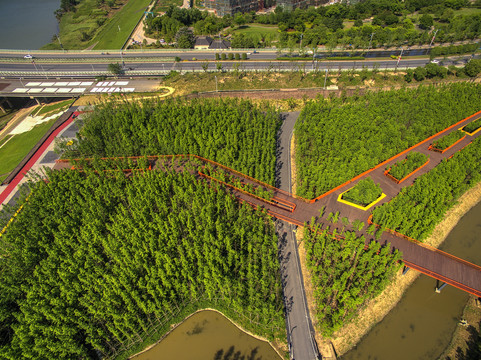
x=462, y=335
x=293, y=165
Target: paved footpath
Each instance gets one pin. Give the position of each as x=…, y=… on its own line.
x=298, y=323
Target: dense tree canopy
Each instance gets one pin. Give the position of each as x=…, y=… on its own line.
x=95, y=261
x=345, y=274
x=404, y=167
x=364, y=193
x=448, y=140
x=418, y=208
x=339, y=138
x=235, y=133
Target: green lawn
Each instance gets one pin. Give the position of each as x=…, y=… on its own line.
x=254, y=29
x=90, y=25
x=163, y=5
x=49, y=108
x=110, y=37
x=18, y=147
x=5, y=118
x=467, y=11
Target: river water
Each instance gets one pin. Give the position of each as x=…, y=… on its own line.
x=27, y=24
x=208, y=335
x=421, y=325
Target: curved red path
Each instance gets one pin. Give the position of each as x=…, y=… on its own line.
x=16, y=180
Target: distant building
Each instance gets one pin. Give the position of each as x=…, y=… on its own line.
x=202, y=42
x=206, y=42
x=294, y=4
x=232, y=7
x=220, y=44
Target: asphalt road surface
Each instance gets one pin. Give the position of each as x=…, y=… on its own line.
x=43, y=69
x=300, y=335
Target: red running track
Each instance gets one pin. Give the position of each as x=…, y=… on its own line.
x=16, y=180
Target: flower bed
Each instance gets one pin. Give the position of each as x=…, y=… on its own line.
x=472, y=126
x=447, y=141
x=364, y=193
x=404, y=168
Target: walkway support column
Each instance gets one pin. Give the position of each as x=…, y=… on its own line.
x=439, y=288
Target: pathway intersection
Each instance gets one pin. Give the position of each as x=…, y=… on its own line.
x=297, y=211
x=293, y=211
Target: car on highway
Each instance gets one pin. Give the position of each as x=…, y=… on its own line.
x=434, y=61
x=28, y=56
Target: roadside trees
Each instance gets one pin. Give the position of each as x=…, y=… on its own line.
x=115, y=69
x=185, y=38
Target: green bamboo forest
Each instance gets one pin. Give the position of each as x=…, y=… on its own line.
x=417, y=209
x=235, y=133
x=95, y=261
x=99, y=262
x=339, y=138
x=404, y=167
x=448, y=140
x=472, y=127
x=345, y=274
x=364, y=193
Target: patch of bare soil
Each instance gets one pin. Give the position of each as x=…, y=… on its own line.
x=463, y=333
x=293, y=164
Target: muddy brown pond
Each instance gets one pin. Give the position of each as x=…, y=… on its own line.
x=420, y=327
x=208, y=335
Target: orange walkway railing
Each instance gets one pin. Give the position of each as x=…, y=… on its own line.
x=426, y=246
x=386, y=172
x=392, y=158
x=442, y=151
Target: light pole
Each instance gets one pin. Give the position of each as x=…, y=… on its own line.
x=434, y=36
x=313, y=55
x=325, y=80
x=216, y=84
x=370, y=42
x=122, y=58
x=46, y=75
x=399, y=58
x=35, y=66
x=58, y=38
x=300, y=45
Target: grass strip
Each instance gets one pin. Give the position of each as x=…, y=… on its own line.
x=53, y=107
x=18, y=147
x=118, y=29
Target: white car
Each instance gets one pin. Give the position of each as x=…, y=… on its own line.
x=28, y=56
x=434, y=61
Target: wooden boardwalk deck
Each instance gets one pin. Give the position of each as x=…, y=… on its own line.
x=428, y=260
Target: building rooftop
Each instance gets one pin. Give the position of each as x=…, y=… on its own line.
x=203, y=41
x=220, y=44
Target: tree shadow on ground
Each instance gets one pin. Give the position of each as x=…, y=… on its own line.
x=232, y=354
x=473, y=350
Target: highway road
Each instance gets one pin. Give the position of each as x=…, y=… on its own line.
x=134, y=68
x=12, y=64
